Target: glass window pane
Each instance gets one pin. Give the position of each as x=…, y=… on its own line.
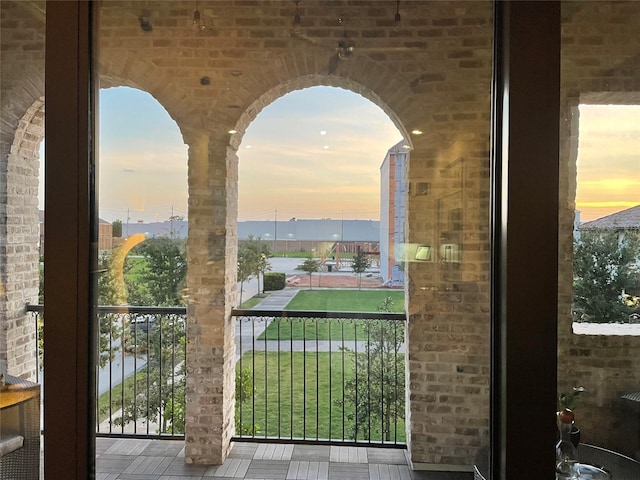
x=196, y=79
x=598, y=339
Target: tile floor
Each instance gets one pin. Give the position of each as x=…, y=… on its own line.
x=132, y=459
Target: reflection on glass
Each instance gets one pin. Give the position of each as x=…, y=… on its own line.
x=598, y=335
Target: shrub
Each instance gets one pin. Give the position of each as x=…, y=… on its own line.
x=274, y=281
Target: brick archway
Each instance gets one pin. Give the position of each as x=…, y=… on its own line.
x=450, y=134
x=212, y=253
x=20, y=239
x=141, y=74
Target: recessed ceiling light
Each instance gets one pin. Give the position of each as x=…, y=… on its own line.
x=249, y=146
x=323, y=132
x=232, y=131
x=417, y=131
x=326, y=147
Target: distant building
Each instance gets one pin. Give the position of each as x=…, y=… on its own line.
x=624, y=220
x=393, y=193
x=304, y=235
x=105, y=234
x=284, y=235
x=621, y=222
x=168, y=228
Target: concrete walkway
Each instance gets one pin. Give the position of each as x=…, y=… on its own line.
x=248, y=330
x=277, y=299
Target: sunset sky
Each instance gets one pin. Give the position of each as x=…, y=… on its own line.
x=608, y=160
x=316, y=153
x=310, y=154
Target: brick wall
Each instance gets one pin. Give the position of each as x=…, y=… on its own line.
x=433, y=74
x=22, y=110
x=601, y=46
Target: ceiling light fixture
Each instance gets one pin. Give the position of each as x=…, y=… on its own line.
x=417, y=131
x=344, y=48
x=396, y=19
x=145, y=21
x=297, y=22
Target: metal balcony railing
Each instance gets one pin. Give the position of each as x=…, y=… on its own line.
x=320, y=377
x=315, y=377
x=141, y=370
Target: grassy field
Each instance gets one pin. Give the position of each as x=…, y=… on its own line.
x=253, y=301
x=345, y=300
x=306, y=403
x=124, y=389
x=134, y=267
x=336, y=330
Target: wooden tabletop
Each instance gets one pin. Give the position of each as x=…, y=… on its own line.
x=11, y=395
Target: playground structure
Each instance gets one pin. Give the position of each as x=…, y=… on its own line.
x=332, y=260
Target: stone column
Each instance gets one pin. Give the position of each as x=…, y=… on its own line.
x=212, y=257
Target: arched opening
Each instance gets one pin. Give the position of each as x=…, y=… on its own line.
x=21, y=239
x=142, y=205
x=310, y=198
x=314, y=154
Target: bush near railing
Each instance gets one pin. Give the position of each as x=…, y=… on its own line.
x=274, y=281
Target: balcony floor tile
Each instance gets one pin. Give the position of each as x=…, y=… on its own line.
x=131, y=459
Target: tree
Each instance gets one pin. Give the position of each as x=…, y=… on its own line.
x=245, y=268
x=116, y=228
x=310, y=265
x=360, y=265
x=376, y=395
x=109, y=293
x=160, y=386
x=605, y=266
x=253, y=260
x=162, y=279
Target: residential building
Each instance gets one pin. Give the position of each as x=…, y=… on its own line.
x=393, y=192
x=622, y=221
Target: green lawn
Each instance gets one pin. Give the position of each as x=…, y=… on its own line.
x=298, y=404
x=118, y=392
x=253, y=301
x=336, y=330
x=134, y=267
x=345, y=300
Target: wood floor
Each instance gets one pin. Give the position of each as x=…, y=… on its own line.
x=129, y=459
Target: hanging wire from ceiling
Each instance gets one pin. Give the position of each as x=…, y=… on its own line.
x=198, y=21
x=297, y=22
x=397, y=21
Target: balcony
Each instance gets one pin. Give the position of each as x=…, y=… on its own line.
x=286, y=360
x=325, y=378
